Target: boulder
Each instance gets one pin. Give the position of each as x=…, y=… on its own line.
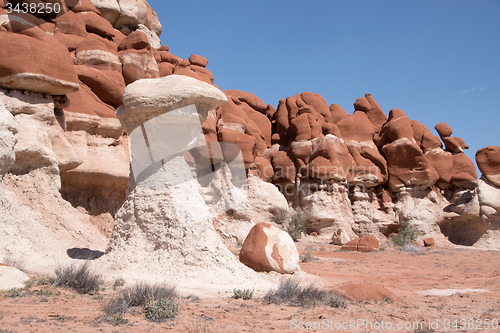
x=266, y=200
x=429, y=242
x=96, y=24
x=463, y=173
x=30, y=64
x=488, y=162
x=90, y=109
x=136, y=12
x=268, y=248
x=368, y=243
x=338, y=113
x=341, y=237
x=11, y=277
x=284, y=167
x=109, y=9
x=136, y=40
x=444, y=130
x=138, y=64
x=406, y=163
x=198, y=60
x=330, y=159
x=442, y=162
x=351, y=245
x=70, y=24
x=357, y=131
x=95, y=53
x=424, y=138
x=152, y=37
x=108, y=85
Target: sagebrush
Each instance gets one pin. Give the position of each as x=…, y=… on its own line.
x=159, y=302
x=295, y=226
x=80, y=277
x=245, y=294
x=407, y=235
x=291, y=293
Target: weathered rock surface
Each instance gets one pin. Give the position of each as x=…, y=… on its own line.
x=51, y=73
x=488, y=162
x=8, y=129
x=164, y=220
x=268, y=248
x=148, y=99
x=11, y=277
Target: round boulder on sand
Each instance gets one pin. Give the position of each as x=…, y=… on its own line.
x=268, y=248
x=11, y=277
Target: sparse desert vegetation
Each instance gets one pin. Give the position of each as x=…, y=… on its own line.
x=129, y=308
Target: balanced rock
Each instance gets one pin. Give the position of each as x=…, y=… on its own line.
x=268, y=248
x=488, y=162
x=164, y=220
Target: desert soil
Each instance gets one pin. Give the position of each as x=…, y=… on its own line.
x=388, y=288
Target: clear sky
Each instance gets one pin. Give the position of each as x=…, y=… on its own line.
x=438, y=60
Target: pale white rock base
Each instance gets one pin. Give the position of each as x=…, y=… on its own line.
x=163, y=232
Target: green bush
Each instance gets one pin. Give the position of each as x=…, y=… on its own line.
x=307, y=256
x=245, y=294
x=295, y=226
x=159, y=302
x=161, y=309
x=407, y=235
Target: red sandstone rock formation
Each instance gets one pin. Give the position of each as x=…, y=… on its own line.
x=488, y=161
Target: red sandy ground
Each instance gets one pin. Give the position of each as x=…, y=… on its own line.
x=403, y=274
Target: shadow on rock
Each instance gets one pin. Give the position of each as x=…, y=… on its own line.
x=84, y=254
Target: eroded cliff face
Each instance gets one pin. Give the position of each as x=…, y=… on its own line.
x=65, y=158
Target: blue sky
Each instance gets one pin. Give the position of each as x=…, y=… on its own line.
x=438, y=60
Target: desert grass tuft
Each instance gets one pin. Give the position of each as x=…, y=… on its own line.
x=291, y=293
x=244, y=294
x=79, y=277
x=159, y=302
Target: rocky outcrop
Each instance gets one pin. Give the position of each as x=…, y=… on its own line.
x=20, y=68
x=361, y=172
x=268, y=248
